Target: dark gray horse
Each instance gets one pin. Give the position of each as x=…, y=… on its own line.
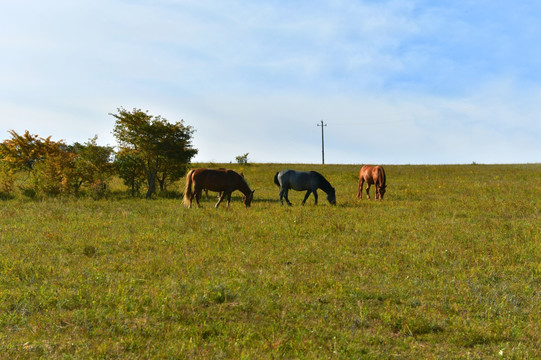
x=303, y=180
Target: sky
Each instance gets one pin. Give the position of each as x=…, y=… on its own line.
x=396, y=82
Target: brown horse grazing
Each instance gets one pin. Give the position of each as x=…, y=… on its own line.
x=219, y=194
x=372, y=175
x=223, y=181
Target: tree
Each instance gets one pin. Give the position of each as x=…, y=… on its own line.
x=242, y=159
x=93, y=163
x=54, y=174
x=130, y=167
x=162, y=148
x=21, y=152
x=49, y=164
x=7, y=178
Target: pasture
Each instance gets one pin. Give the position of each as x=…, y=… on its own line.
x=448, y=266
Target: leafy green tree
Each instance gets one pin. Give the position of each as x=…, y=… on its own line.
x=170, y=172
x=162, y=148
x=93, y=164
x=242, y=159
x=130, y=167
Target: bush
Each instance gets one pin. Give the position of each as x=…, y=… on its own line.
x=7, y=180
x=242, y=159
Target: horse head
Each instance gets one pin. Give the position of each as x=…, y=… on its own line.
x=331, y=197
x=247, y=199
x=382, y=191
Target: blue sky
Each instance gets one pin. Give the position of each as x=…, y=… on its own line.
x=397, y=82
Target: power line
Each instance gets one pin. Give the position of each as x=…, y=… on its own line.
x=364, y=123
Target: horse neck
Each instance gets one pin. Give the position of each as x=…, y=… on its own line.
x=381, y=177
x=325, y=185
x=243, y=187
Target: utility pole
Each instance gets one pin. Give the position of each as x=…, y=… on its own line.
x=322, y=142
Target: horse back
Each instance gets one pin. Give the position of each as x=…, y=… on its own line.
x=366, y=174
x=216, y=179
x=298, y=180
x=372, y=174
x=282, y=178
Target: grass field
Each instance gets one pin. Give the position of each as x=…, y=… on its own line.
x=448, y=266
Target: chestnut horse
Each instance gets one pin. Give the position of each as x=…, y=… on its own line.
x=372, y=175
x=224, y=181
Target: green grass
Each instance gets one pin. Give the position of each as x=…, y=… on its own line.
x=448, y=266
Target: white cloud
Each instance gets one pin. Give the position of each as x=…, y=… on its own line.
x=396, y=81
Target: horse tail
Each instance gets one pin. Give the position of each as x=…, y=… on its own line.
x=188, y=189
x=276, y=178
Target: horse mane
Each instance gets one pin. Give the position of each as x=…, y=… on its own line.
x=324, y=184
x=243, y=179
x=241, y=175
x=383, y=177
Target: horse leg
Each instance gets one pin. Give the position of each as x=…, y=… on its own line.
x=190, y=199
x=198, y=197
x=360, y=189
x=306, y=196
x=286, y=191
x=228, y=199
x=220, y=199
x=368, y=190
x=197, y=190
x=281, y=196
x=378, y=195
x=315, y=196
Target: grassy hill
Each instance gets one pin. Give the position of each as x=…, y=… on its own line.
x=447, y=266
